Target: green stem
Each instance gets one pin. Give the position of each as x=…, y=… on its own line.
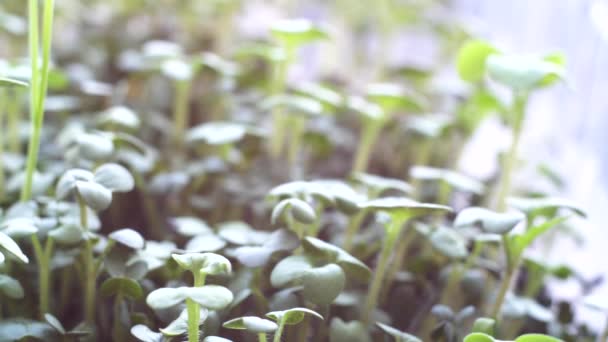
x=450, y=285
x=298, y=126
x=519, y=108
x=117, y=332
x=353, y=227
x=90, y=273
x=180, y=111
x=194, y=311
x=151, y=213
x=277, y=86
x=43, y=260
x=279, y=332
x=262, y=337
x=3, y=101
x=368, y=139
x=303, y=329
x=505, y=285
x=38, y=86
x=400, y=256
x=13, y=122
x=445, y=190
x=374, y=290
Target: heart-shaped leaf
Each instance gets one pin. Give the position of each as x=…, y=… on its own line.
x=207, y=263
x=121, y=286
x=401, y=208
x=292, y=316
x=392, y=97
x=191, y=226
x=323, y=284
x=18, y=227
x=95, y=195
x=216, y=133
x=536, y=338
x=216, y=339
x=352, y=266
x=212, y=297
x=69, y=234
x=381, y=184
x=177, y=69
x=114, y=177
x=290, y=269
x=321, y=93
x=240, y=233
x=471, y=59
x=293, y=33
x=522, y=73
x=353, y=331
x=120, y=116
x=68, y=181
x=489, y=221
x=484, y=325
x=94, y=146
x=256, y=256
x=449, y=243
x=300, y=210
x=10, y=287
x=251, y=323
x=128, y=237
x=205, y=243
x=478, y=337
x=144, y=334
x=11, y=246
x=534, y=206
x=368, y=111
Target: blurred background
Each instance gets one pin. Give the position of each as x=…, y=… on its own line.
x=566, y=125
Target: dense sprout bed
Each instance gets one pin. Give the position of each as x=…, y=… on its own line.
x=162, y=178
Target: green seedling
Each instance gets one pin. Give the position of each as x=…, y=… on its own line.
x=400, y=210
x=296, y=111
x=373, y=118
x=449, y=323
x=374, y=187
x=123, y=285
x=341, y=331
x=514, y=244
x=93, y=190
x=322, y=271
x=182, y=73
x=290, y=34
x=256, y=325
x=522, y=75
x=212, y=297
x=289, y=317
x=222, y=135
